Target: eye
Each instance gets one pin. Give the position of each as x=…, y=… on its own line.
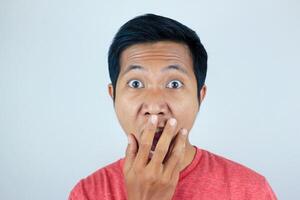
x=135, y=84
x=174, y=84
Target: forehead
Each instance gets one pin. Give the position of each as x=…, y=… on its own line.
x=157, y=55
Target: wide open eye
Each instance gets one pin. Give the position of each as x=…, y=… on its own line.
x=174, y=84
x=135, y=84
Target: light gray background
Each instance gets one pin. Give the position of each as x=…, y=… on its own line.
x=57, y=122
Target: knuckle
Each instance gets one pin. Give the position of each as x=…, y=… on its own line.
x=165, y=181
x=150, y=177
x=160, y=150
x=145, y=145
x=169, y=130
x=183, y=136
x=177, y=154
x=151, y=128
x=138, y=169
x=173, y=183
x=182, y=140
x=174, y=179
x=129, y=152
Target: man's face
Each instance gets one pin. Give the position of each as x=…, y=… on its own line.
x=156, y=79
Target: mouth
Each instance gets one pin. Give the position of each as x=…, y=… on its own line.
x=156, y=138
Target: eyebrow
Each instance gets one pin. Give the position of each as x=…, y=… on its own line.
x=169, y=67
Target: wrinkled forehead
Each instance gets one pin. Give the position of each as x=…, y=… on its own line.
x=163, y=53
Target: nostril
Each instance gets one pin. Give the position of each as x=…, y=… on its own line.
x=160, y=113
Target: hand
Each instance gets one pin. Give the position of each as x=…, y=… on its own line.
x=157, y=178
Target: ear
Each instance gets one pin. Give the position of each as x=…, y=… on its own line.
x=110, y=90
x=203, y=93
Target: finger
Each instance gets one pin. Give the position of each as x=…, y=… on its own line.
x=171, y=147
x=175, y=176
x=163, y=144
x=146, y=141
x=173, y=164
x=131, y=152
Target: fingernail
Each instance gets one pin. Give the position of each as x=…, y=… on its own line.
x=172, y=122
x=184, y=132
x=153, y=119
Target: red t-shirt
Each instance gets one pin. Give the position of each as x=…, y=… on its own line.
x=208, y=177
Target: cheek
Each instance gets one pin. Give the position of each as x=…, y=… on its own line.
x=126, y=112
x=185, y=111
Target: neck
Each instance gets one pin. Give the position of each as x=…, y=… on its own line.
x=189, y=155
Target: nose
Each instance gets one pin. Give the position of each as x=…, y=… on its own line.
x=155, y=104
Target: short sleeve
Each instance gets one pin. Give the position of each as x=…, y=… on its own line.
x=270, y=195
x=77, y=193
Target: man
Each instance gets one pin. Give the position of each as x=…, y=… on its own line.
x=158, y=67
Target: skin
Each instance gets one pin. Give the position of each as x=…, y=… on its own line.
x=154, y=90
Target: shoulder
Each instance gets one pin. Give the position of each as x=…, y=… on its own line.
x=228, y=170
x=100, y=182
x=104, y=174
x=237, y=178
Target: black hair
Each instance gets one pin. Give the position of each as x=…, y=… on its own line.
x=150, y=28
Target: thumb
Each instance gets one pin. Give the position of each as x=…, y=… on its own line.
x=131, y=152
